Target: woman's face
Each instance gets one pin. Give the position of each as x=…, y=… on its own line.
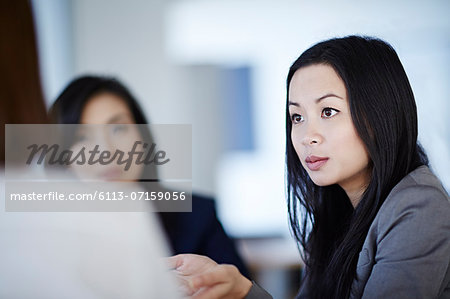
x=118, y=134
x=323, y=133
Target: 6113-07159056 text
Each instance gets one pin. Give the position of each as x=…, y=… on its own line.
x=101, y=195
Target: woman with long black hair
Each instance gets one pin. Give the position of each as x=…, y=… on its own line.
x=369, y=215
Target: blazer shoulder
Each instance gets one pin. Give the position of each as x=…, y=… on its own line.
x=420, y=193
x=408, y=235
x=419, y=185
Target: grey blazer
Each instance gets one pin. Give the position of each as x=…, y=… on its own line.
x=406, y=253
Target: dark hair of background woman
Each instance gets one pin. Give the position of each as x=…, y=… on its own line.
x=384, y=114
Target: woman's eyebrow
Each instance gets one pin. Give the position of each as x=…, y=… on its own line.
x=117, y=118
x=290, y=103
x=327, y=96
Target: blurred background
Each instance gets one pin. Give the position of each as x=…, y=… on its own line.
x=221, y=66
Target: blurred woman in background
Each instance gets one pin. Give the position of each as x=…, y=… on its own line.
x=103, y=100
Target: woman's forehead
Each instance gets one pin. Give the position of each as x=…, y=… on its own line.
x=315, y=82
x=105, y=108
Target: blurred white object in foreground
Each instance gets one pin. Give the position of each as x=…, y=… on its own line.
x=82, y=255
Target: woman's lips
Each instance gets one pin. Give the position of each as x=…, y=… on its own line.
x=110, y=174
x=314, y=162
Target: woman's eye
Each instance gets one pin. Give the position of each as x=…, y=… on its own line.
x=119, y=128
x=329, y=112
x=296, y=118
x=80, y=138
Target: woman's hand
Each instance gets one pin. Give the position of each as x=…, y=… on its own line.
x=202, y=278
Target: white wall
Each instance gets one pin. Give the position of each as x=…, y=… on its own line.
x=124, y=39
x=53, y=19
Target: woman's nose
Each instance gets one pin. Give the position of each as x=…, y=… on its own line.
x=312, y=135
x=101, y=138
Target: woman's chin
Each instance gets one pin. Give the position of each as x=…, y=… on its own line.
x=321, y=181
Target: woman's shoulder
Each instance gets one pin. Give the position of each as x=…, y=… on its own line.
x=411, y=232
x=424, y=177
x=419, y=194
x=419, y=185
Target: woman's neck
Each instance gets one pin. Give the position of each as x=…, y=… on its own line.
x=355, y=196
x=356, y=186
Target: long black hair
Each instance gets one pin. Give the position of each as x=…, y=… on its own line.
x=383, y=110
